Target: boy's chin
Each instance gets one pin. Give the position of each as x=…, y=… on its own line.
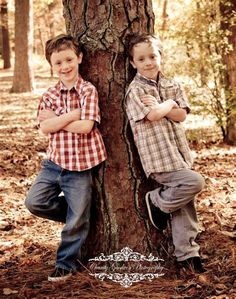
x=69, y=83
x=152, y=76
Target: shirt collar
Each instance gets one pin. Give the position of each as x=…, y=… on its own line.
x=144, y=79
x=76, y=86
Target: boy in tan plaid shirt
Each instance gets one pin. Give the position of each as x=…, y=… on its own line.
x=155, y=107
x=68, y=113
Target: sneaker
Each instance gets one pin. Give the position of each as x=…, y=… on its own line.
x=194, y=264
x=59, y=274
x=157, y=217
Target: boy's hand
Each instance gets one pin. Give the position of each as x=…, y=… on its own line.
x=46, y=114
x=149, y=100
x=173, y=103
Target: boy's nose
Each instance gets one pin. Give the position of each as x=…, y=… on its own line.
x=148, y=62
x=64, y=65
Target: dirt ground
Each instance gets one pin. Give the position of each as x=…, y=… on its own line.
x=28, y=244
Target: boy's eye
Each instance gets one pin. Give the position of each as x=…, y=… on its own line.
x=69, y=59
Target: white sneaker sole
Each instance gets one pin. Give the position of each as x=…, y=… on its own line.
x=147, y=199
x=62, y=278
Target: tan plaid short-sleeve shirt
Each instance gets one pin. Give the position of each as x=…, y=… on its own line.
x=72, y=151
x=162, y=145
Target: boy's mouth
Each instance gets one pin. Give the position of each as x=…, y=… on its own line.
x=150, y=69
x=66, y=73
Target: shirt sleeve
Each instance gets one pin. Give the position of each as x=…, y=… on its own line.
x=89, y=104
x=44, y=103
x=136, y=110
x=48, y=101
x=181, y=98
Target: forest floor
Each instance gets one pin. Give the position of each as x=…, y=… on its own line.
x=28, y=243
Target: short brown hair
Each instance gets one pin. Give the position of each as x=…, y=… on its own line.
x=142, y=38
x=61, y=42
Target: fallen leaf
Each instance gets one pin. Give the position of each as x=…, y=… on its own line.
x=204, y=279
x=7, y=291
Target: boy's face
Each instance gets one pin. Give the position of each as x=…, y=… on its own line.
x=65, y=65
x=146, y=59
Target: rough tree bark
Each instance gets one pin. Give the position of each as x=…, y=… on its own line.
x=230, y=62
x=119, y=217
x=23, y=72
x=5, y=36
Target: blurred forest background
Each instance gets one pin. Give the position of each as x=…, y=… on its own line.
x=199, y=40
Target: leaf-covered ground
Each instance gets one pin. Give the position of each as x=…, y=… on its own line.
x=28, y=244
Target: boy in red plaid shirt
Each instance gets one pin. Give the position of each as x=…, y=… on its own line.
x=68, y=114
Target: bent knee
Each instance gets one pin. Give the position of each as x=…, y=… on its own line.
x=30, y=205
x=198, y=183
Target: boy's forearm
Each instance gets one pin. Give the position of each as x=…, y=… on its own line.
x=160, y=111
x=177, y=114
x=56, y=123
x=80, y=126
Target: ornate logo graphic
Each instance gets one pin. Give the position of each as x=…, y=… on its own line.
x=126, y=267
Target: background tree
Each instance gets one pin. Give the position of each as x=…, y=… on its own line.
x=48, y=22
x=119, y=218
x=228, y=25
x=23, y=72
x=197, y=46
x=5, y=35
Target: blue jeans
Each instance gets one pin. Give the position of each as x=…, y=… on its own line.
x=72, y=208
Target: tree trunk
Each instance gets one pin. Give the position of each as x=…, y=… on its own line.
x=164, y=16
x=23, y=73
x=119, y=217
x=230, y=62
x=5, y=36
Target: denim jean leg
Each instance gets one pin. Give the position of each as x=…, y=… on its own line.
x=43, y=198
x=77, y=187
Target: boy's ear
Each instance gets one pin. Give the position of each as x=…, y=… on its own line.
x=133, y=64
x=80, y=57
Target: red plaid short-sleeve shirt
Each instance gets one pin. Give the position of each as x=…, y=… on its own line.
x=73, y=151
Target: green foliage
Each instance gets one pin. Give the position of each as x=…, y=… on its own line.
x=195, y=49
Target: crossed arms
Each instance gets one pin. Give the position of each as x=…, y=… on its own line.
x=51, y=123
x=169, y=109
x=70, y=122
